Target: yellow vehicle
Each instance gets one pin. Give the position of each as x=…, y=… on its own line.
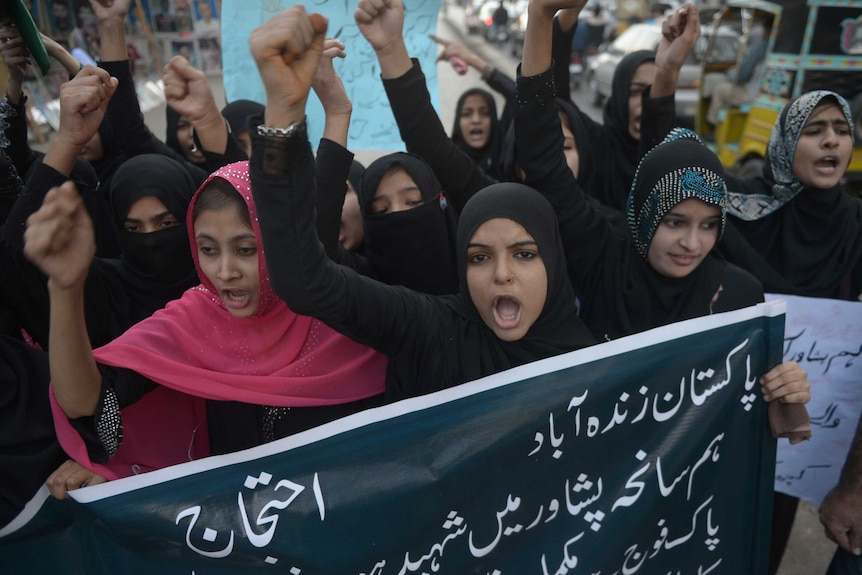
x=812, y=45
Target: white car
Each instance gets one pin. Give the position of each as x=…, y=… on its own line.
x=647, y=37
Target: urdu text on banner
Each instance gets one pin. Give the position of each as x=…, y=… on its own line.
x=825, y=337
x=649, y=454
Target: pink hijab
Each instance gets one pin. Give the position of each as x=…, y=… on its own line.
x=195, y=348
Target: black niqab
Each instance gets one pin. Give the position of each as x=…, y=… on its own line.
x=415, y=247
x=154, y=267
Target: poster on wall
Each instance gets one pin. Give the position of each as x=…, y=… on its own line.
x=206, y=19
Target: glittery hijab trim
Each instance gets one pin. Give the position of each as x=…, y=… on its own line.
x=237, y=176
x=659, y=185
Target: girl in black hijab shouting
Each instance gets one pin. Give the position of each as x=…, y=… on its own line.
x=515, y=304
x=662, y=269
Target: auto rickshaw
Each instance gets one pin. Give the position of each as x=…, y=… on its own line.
x=812, y=45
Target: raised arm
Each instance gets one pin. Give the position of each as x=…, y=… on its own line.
x=658, y=116
x=496, y=80
x=60, y=241
x=381, y=23
x=187, y=91
x=83, y=102
x=540, y=150
x=333, y=158
x=287, y=50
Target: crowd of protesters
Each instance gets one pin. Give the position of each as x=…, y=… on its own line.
x=233, y=280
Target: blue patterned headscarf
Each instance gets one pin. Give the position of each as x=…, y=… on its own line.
x=679, y=168
x=779, y=157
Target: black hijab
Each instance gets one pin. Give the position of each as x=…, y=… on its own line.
x=357, y=170
x=796, y=239
x=508, y=156
x=237, y=114
x=155, y=267
x=616, y=154
x=172, y=118
x=486, y=157
x=586, y=166
x=632, y=296
x=558, y=329
x=415, y=247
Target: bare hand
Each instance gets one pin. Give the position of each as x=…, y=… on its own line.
x=327, y=84
x=187, y=90
x=54, y=49
x=381, y=22
x=679, y=33
x=287, y=50
x=13, y=50
x=83, y=101
x=71, y=475
x=452, y=48
x=841, y=516
x=59, y=238
x=787, y=383
x=110, y=9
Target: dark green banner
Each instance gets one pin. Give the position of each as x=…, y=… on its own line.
x=648, y=455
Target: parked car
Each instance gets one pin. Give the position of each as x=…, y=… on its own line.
x=648, y=37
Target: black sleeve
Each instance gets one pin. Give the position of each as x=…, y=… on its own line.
x=102, y=432
x=127, y=121
x=15, y=131
x=390, y=319
x=587, y=236
x=11, y=186
x=331, y=169
x=501, y=83
x=658, y=117
x=561, y=52
x=423, y=134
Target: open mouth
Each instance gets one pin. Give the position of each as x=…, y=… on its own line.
x=476, y=134
x=507, y=312
x=235, y=298
x=826, y=165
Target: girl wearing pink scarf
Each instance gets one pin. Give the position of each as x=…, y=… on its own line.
x=138, y=403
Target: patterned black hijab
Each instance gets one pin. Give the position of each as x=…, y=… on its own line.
x=634, y=297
